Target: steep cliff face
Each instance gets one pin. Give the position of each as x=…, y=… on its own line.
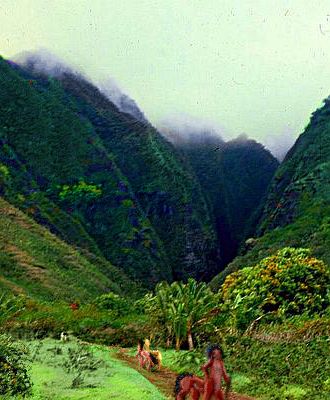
x=248, y=170
x=114, y=177
x=299, y=199
x=234, y=177
x=167, y=193
x=303, y=174
x=297, y=208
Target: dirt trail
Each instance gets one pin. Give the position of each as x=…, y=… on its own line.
x=163, y=379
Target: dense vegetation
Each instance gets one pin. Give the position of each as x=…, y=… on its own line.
x=289, y=283
x=178, y=311
x=14, y=378
x=234, y=176
x=272, y=320
x=271, y=353
x=297, y=208
x=98, y=210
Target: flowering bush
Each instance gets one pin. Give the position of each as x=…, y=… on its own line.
x=287, y=283
x=14, y=378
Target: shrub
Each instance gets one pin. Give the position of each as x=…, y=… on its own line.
x=14, y=378
x=189, y=361
x=288, y=283
x=80, y=361
x=112, y=302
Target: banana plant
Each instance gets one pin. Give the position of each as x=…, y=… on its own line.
x=181, y=307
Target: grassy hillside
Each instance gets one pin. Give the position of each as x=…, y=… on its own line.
x=56, y=366
x=21, y=189
x=35, y=262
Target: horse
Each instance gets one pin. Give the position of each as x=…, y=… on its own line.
x=155, y=355
x=147, y=359
x=186, y=384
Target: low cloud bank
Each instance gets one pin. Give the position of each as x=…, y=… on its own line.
x=123, y=101
x=42, y=61
x=280, y=144
x=182, y=128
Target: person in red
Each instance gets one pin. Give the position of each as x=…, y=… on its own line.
x=144, y=357
x=214, y=372
x=74, y=306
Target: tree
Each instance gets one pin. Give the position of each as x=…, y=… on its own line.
x=113, y=302
x=198, y=302
x=180, y=308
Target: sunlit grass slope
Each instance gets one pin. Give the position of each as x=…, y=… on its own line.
x=111, y=379
x=35, y=262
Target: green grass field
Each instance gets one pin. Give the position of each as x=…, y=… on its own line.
x=110, y=380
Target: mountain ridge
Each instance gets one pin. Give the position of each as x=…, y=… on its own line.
x=155, y=210
x=297, y=208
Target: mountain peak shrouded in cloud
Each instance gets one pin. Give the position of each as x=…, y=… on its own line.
x=178, y=128
x=126, y=104
x=44, y=62
x=217, y=71
x=277, y=144
x=241, y=138
x=183, y=129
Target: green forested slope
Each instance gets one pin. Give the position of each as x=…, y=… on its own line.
x=68, y=164
x=100, y=179
x=297, y=208
x=234, y=177
x=168, y=194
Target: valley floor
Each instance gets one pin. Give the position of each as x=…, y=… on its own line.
x=76, y=371
x=54, y=373
x=163, y=379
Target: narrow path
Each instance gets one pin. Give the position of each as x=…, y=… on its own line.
x=163, y=379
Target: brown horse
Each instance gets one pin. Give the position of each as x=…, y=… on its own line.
x=211, y=386
x=188, y=384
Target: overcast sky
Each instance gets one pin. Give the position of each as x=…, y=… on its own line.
x=259, y=67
